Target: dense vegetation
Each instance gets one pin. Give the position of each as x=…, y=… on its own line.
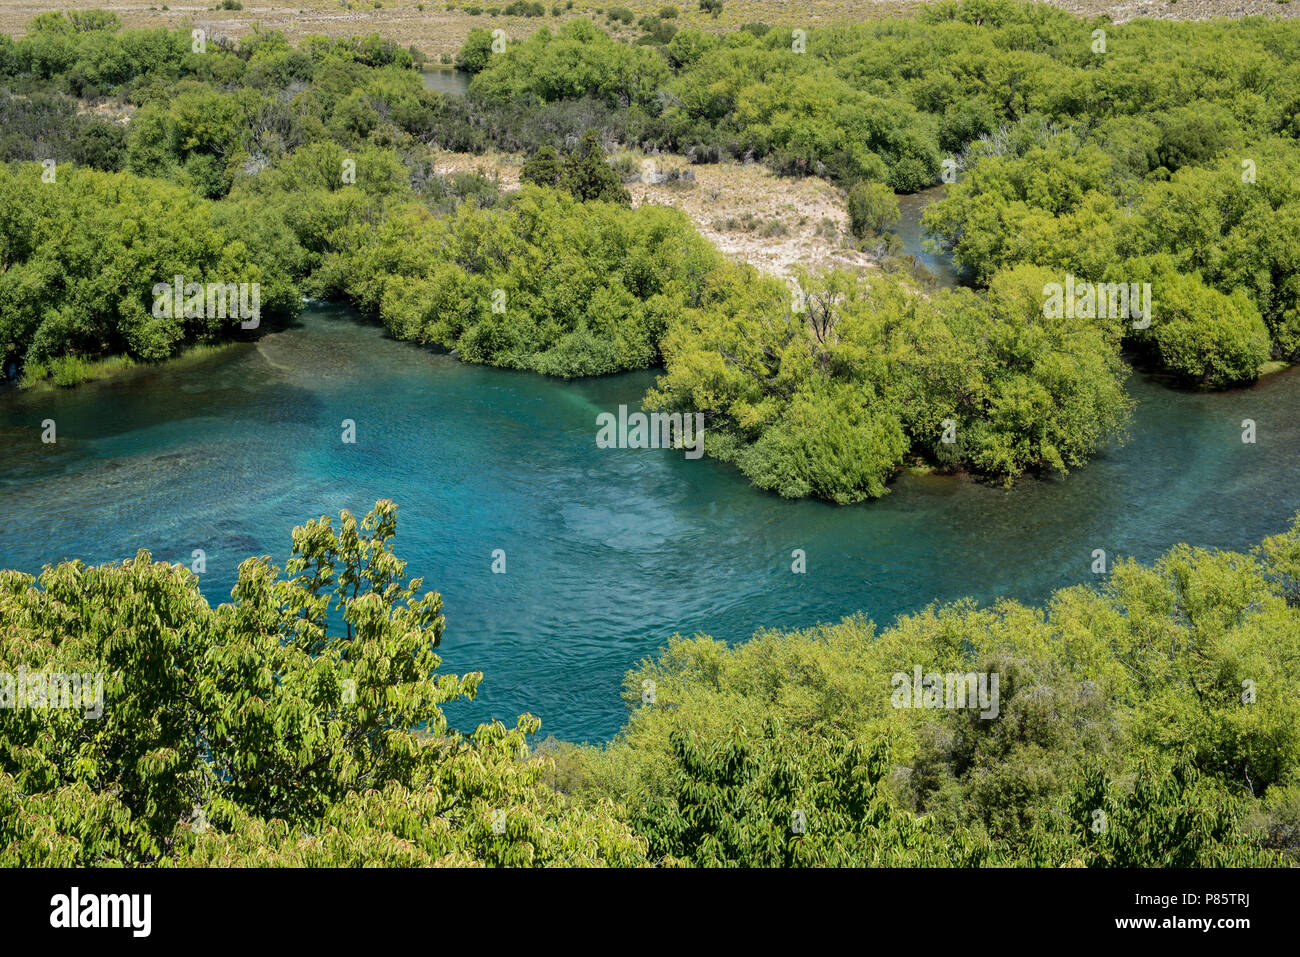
x=81, y=258
x=824, y=392
x=279, y=729
x=1088, y=155
x=1165, y=699
x=309, y=170
x=1218, y=251
x=1154, y=721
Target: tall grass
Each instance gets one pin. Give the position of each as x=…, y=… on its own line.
x=67, y=371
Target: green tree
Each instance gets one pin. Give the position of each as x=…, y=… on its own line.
x=873, y=208
x=475, y=52
x=299, y=724
x=543, y=168
x=588, y=175
x=771, y=800
x=1169, y=817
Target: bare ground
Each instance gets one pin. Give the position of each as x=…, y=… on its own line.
x=774, y=223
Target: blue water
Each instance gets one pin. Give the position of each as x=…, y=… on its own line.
x=608, y=551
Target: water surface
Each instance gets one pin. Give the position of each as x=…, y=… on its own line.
x=446, y=80
x=909, y=230
x=608, y=551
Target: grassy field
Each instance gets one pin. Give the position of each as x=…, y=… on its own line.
x=437, y=31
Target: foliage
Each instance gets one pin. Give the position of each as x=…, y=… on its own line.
x=1213, y=242
x=298, y=725
x=578, y=60
x=544, y=282
x=81, y=256
x=771, y=801
x=585, y=172
x=1124, y=736
x=40, y=126
x=1197, y=332
x=873, y=208
x=825, y=392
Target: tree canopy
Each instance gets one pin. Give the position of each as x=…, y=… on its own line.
x=1151, y=721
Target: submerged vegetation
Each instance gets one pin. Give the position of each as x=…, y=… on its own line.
x=1152, y=722
x=308, y=170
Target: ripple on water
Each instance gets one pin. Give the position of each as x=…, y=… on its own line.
x=608, y=551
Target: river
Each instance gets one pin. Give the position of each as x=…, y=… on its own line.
x=608, y=552
x=909, y=230
x=446, y=80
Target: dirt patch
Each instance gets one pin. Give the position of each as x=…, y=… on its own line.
x=772, y=222
x=775, y=223
x=502, y=167
x=114, y=110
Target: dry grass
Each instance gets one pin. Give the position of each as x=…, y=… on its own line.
x=503, y=167
x=436, y=31
x=774, y=223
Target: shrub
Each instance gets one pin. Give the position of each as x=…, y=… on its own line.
x=873, y=208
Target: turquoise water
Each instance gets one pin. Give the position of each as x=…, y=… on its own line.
x=608, y=551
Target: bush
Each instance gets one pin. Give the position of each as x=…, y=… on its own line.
x=1201, y=335
x=475, y=52
x=585, y=173
x=599, y=304
x=873, y=208
x=258, y=709
x=801, y=398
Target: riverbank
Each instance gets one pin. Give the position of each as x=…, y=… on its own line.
x=226, y=452
x=68, y=372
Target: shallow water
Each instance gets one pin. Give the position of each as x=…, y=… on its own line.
x=446, y=80
x=608, y=551
x=908, y=228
